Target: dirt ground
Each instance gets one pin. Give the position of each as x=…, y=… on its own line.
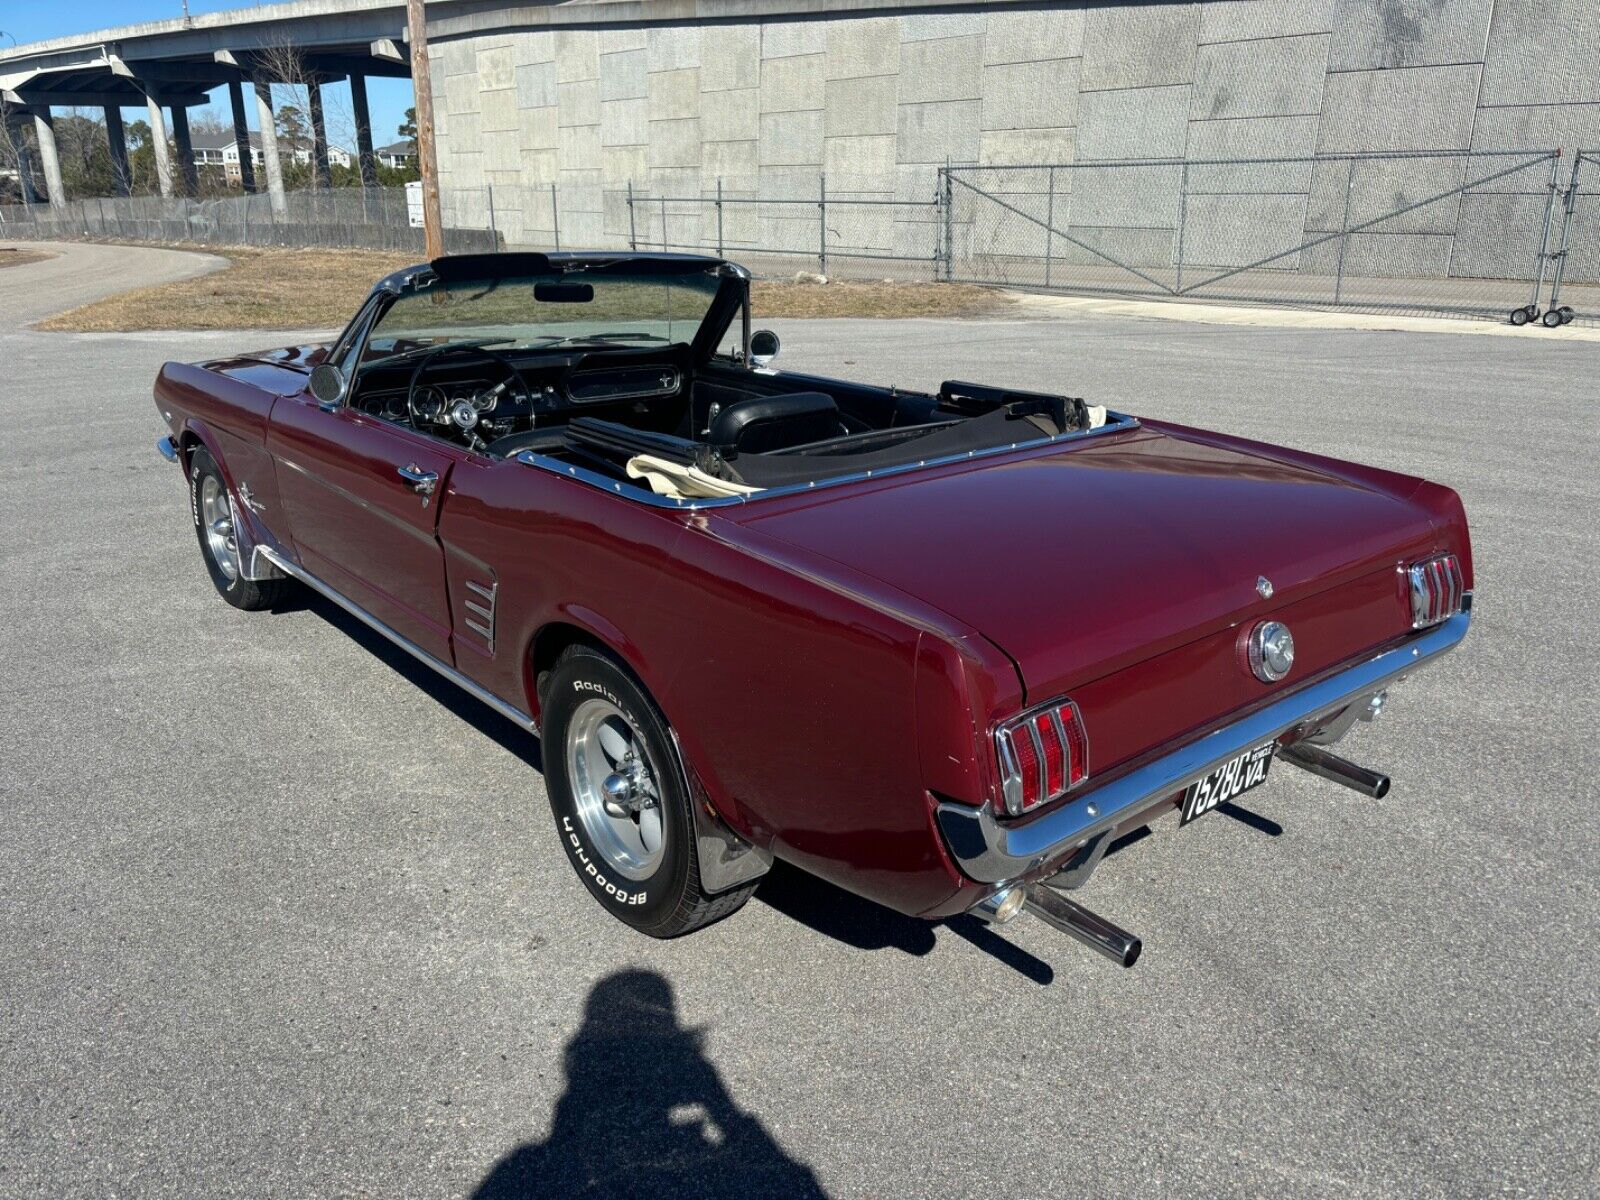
x=313, y=289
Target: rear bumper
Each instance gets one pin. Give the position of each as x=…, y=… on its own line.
x=989, y=851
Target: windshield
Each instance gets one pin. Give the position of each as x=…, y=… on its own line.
x=602, y=308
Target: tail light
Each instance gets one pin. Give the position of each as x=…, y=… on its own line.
x=1043, y=754
x=1436, y=586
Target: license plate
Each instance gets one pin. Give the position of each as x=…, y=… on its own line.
x=1233, y=778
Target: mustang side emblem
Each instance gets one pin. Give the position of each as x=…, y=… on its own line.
x=1264, y=587
x=248, y=499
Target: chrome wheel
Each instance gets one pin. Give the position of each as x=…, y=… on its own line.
x=216, y=518
x=615, y=788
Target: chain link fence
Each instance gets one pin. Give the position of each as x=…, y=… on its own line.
x=347, y=218
x=1465, y=233
x=1461, y=233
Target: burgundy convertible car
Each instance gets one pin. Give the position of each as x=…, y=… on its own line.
x=940, y=648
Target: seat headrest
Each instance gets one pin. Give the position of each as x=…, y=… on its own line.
x=736, y=425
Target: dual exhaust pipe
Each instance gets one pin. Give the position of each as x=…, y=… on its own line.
x=1116, y=943
x=1054, y=909
x=1340, y=770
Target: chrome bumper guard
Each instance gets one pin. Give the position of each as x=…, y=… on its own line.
x=989, y=851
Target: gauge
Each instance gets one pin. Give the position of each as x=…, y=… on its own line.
x=428, y=404
x=394, y=406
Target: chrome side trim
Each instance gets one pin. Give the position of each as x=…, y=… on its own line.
x=168, y=448
x=989, y=851
x=1115, y=423
x=355, y=610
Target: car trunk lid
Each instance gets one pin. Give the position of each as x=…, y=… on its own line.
x=1085, y=559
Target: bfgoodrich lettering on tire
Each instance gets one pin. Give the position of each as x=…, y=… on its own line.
x=619, y=798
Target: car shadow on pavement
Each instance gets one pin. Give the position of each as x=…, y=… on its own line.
x=507, y=733
x=846, y=917
x=645, y=1114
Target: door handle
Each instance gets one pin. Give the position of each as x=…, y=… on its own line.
x=422, y=482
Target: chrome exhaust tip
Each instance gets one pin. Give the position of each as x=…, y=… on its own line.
x=1092, y=930
x=1002, y=906
x=1330, y=766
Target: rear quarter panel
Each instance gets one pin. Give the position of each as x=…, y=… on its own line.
x=793, y=692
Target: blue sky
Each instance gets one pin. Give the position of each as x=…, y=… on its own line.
x=35, y=21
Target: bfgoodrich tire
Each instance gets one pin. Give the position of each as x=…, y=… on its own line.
x=213, y=525
x=620, y=801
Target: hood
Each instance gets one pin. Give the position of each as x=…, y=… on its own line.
x=281, y=372
x=1084, y=558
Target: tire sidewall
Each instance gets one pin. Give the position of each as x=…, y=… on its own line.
x=642, y=903
x=201, y=464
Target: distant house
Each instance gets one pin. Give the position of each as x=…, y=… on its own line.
x=221, y=150
x=216, y=150
x=396, y=154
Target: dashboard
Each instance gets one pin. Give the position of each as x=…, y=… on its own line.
x=476, y=398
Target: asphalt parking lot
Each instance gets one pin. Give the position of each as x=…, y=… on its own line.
x=282, y=915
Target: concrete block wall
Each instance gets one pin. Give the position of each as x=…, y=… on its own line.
x=768, y=95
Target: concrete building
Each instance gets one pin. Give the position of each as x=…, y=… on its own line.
x=677, y=100
x=768, y=95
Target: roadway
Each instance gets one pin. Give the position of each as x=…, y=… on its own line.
x=282, y=915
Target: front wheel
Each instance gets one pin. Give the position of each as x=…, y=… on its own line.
x=213, y=514
x=619, y=799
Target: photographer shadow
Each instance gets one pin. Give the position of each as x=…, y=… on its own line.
x=645, y=1114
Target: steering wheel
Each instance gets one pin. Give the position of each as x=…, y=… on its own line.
x=464, y=416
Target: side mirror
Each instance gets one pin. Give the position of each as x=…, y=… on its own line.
x=763, y=347
x=327, y=385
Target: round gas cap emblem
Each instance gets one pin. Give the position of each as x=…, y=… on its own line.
x=1271, y=651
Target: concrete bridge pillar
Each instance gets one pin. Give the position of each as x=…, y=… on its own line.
x=358, y=100
x=44, y=127
x=158, y=142
x=15, y=121
x=180, y=135
x=117, y=138
x=270, y=162
x=319, y=136
x=241, y=137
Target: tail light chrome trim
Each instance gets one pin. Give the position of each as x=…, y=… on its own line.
x=1043, y=754
x=1436, y=586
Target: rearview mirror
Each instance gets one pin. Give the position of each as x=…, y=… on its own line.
x=327, y=385
x=563, y=293
x=763, y=347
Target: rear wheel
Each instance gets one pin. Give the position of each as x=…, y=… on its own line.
x=213, y=514
x=620, y=801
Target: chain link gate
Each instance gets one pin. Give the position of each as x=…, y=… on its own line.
x=1577, y=252
x=1457, y=233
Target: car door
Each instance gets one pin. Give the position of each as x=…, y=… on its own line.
x=362, y=498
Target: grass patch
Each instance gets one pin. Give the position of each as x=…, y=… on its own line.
x=321, y=289
x=774, y=298
x=11, y=256
x=260, y=289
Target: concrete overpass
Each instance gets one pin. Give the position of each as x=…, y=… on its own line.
x=170, y=66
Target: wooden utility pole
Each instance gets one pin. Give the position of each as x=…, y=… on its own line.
x=427, y=159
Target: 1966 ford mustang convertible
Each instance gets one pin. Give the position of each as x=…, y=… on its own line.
x=940, y=648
